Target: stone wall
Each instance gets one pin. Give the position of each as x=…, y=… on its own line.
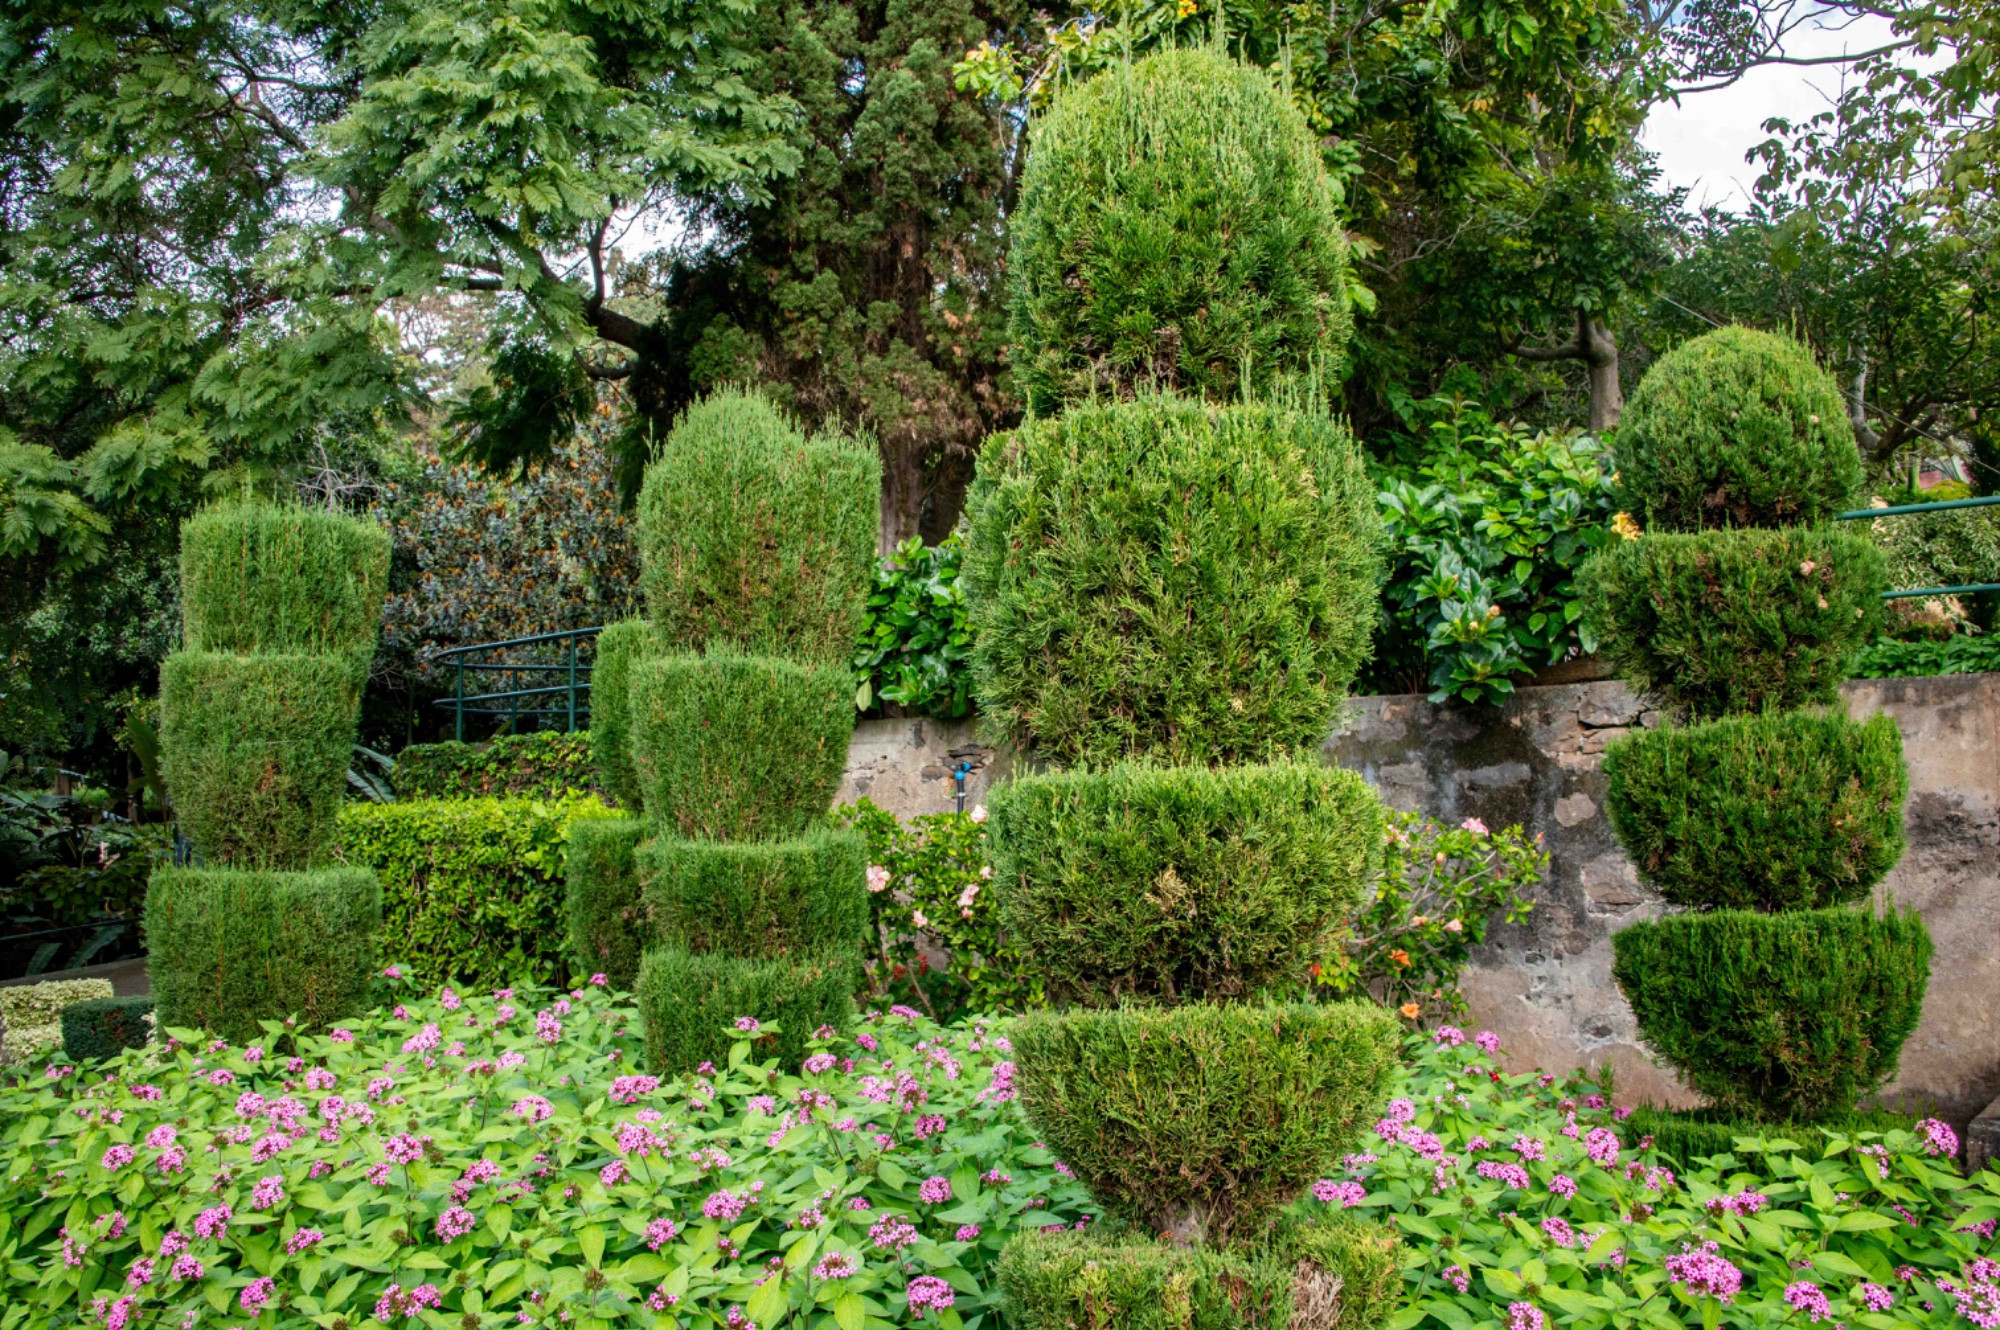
x=1545, y=985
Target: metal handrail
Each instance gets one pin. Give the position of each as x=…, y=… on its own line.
x=576, y=681
x=1941, y=506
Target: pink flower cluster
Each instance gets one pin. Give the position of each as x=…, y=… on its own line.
x=1705, y=1271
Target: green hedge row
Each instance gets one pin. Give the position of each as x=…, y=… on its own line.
x=607, y=920
x=757, y=898
x=105, y=1027
x=692, y=1002
x=544, y=764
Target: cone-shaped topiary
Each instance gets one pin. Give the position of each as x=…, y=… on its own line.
x=1177, y=229
x=1736, y=428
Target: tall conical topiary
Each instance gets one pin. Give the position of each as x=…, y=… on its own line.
x=281, y=606
x=1770, y=817
x=1171, y=598
x=728, y=712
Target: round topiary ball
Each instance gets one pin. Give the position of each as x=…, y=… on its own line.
x=1177, y=228
x=1736, y=428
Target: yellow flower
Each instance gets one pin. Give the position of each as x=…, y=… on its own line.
x=1187, y=7
x=1410, y=1011
x=1625, y=526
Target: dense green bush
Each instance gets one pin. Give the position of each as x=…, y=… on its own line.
x=757, y=898
x=692, y=1003
x=287, y=580
x=1201, y=1121
x=754, y=536
x=101, y=1028
x=916, y=633
x=1725, y=622
x=1737, y=428
x=1176, y=228
x=1790, y=1016
x=1685, y=1135
x=473, y=890
x=1161, y=578
x=1794, y=810
x=232, y=947
x=542, y=764
x=607, y=921
x=31, y=1015
x=255, y=751
x=738, y=747
x=1182, y=883
x=618, y=646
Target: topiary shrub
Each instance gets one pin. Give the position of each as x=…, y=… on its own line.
x=105, y=1027
x=1159, y=578
x=1795, y=810
x=1737, y=428
x=1177, y=229
x=1182, y=883
x=754, y=536
x=738, y=747
x=1152, y=1107
x=31, y=1015
x=618, y=646
x=1781, y=1017
x=230, y=947
x=607, y=920
x=1723, y=622
x=758, y=898
x=691, y=1003
x=255, y=751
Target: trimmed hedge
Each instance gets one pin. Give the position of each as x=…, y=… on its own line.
x=473, y=890
x=611, y=709
x=731, y=747
x=1201, y=1120
x=1163, y=579
x=31, y=1015
x=1182, y=883
x=1796, y=810
x=690, y=1002
x=1729, y=622
x=1737, y=428
x=232, y=947
x=1321, y=1274
x=756, y=537
x=542, y=764
x=1176, y=229
x=105, y=1027
x=255, y=751
x=759, y=898
x=1783, y=1017
x=279, y=578
x=607, y=921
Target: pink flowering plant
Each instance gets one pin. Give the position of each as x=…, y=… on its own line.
x=1522, y=1192
x=496, y=1159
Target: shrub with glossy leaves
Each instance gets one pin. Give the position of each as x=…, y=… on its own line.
x=1787, y=1017
x=692, y=1001
x=618, y=647
x=1203, y=1121
x=1160, y=578
x=1789, y=811
x=1176, y=229
x=754, y=536
x=1182, y=883
x=607, y=921
x=1737, y=428
x=1726, y=622
x=541, y=764
x=231, y=948
x=100, y=1028
x=738, y=747
x=757, y=898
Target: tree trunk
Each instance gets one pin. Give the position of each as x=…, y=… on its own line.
x=1865, y=437
x=1600, y=354
x=902, y=497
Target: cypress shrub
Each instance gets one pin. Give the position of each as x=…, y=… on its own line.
x=1163, y=579
x=1795, y=810
x=757, y=898
x=105, y=1027
x=284, y=579
x=1737, y=428
x=1183, y=882
x=607, y=920
x=1781, y=1017
x=738, y=747
x=1726, y=622
x=618, y=646
x=690, y=1003
x=230, y=947
x=1177, y=228
x=255, y=750
x=1200, y=1120
x=754, y=536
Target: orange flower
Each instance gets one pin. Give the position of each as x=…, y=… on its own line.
x=1400, y=956
x=1410, y=1010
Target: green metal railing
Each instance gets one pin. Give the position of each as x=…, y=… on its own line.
x=1943, y=505
x=517, y=699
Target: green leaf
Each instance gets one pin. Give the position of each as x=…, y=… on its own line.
x=770, y=1302
x=850, y=1311
x=592, y=1241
